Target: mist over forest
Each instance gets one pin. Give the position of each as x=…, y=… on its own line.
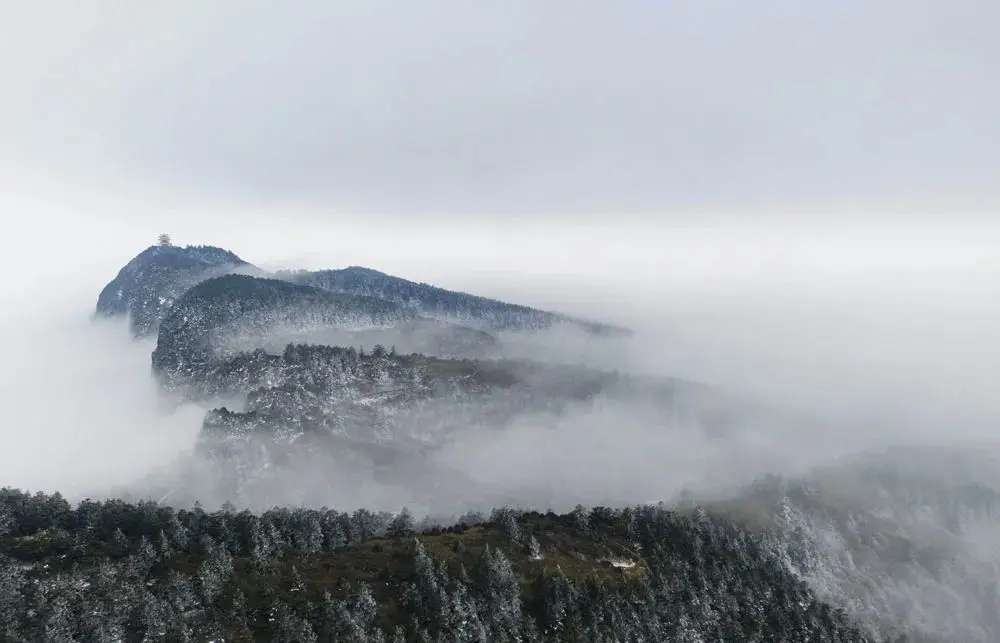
x=831, y=423
x=865, y=370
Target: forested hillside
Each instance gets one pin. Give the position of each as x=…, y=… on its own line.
x=109, y=571
x=437, y=302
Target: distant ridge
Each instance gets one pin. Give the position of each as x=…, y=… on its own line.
x=147, y=286
x=433, y=301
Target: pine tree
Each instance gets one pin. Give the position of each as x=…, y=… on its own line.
x=335, y=527
x=180, y=537
x=401, y=525
x=354, y=620
x=215, y=571
x=59, y=623
x=181, y=593
x=508, y=522
x=6, y=520
x=581, y=519
x=461, y=622
x=534, y=548
x=156, y=618
x=120, y=542
x=164, y=549
x=503, y=592
x=146, y=558
x=261, y=548
x=297, y=583
x=423, y=594
x=288, y=627
x=365, y=609
x=309, y=537
x=12, y=604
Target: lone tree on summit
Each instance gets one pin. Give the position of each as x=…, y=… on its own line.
x=164, y=239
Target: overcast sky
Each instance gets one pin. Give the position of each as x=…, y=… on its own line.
x=731, y=136
x=568, y=107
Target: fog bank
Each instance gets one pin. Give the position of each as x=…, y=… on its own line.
x=870, y=358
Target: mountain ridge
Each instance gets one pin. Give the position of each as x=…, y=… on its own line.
x=148, y=285
x=435, y=301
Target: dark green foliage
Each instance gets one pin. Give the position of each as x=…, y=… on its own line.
x=642, y=574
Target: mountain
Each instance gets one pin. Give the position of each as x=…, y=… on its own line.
x=313, y=417
x=432, y=301
x=379, y=411
x=296, y=404
x=307, y=408
x=147, y=286
x=217, y=319
x=352, y=387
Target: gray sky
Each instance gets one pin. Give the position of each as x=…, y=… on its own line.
x=681, y=111
x=853, y=141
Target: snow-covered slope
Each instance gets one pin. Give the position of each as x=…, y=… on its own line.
x=147, y=286
x=906, y=541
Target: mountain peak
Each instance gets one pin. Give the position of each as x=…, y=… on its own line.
x=148, y=284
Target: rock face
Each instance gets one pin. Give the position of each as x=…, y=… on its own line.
x=148, y=285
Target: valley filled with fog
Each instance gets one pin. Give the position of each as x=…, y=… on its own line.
x=865, y=369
